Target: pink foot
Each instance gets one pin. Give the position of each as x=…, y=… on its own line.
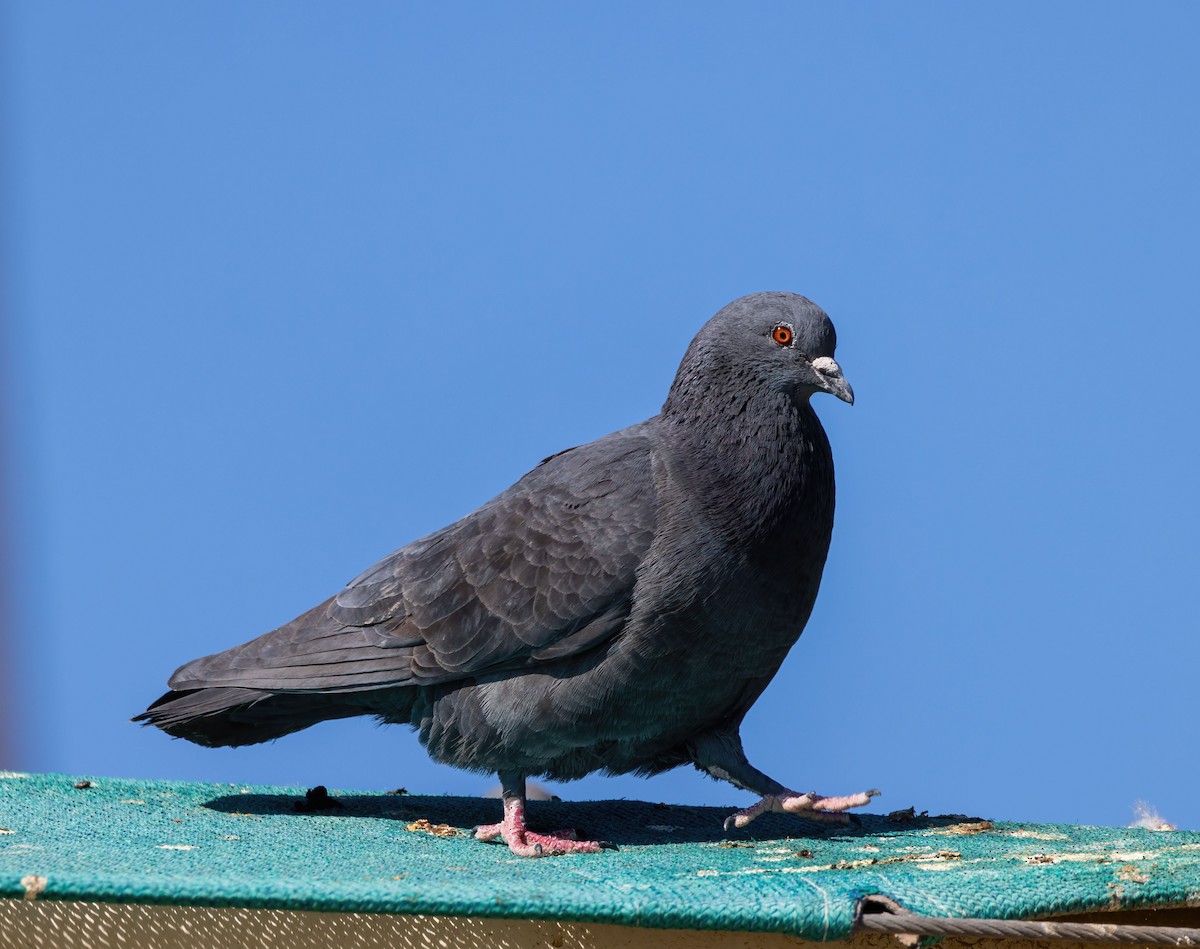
x=525, y=843
x=813, y=806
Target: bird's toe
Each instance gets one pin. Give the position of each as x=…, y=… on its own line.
x=557, y=843
x=489, y=831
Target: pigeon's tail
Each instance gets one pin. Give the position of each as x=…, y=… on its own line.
x=231, y=716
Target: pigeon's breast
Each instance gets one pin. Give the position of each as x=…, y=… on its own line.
x=741, y=570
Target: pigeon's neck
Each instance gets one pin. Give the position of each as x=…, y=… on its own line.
x=755, y=459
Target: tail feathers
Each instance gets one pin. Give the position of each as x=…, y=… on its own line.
x=231, y=717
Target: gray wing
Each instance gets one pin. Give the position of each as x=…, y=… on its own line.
x=544, y=570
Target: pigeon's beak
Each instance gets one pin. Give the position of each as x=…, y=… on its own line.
x=831, y=378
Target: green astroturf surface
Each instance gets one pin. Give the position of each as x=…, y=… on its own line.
x=231, y=845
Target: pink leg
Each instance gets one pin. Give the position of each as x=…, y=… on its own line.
x=525, y=843
x=812, y=806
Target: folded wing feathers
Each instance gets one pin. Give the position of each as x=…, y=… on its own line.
x=540, y=572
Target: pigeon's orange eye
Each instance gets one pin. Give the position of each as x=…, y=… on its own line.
x=782, y=335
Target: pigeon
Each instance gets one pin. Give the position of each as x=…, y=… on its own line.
x=618, y=609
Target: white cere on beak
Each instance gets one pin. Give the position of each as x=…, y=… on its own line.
x=827, y=367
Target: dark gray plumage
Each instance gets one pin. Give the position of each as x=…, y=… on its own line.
x=618, y=609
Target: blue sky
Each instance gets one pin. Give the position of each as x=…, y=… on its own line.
x=293, y=285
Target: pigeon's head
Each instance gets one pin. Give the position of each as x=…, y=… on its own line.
x=781, y=340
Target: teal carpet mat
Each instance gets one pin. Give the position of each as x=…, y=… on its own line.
x=264, y=847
